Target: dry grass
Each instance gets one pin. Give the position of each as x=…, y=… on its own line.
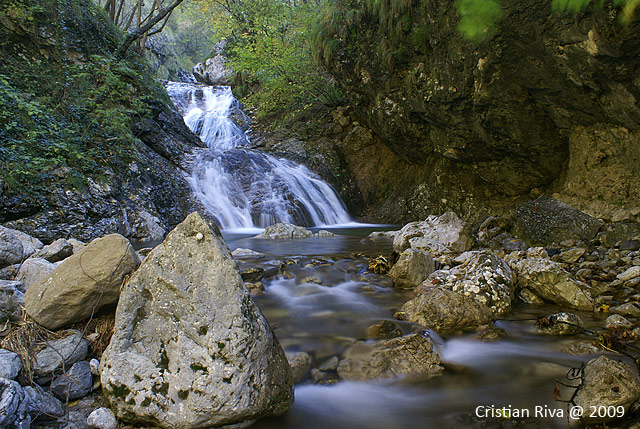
x=26, y=339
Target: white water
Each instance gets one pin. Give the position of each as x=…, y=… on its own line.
x=243, y=188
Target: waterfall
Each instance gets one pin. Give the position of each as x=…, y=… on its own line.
x=243, y=188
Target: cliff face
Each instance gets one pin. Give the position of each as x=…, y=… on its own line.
x=548, y=102
x=90, y=144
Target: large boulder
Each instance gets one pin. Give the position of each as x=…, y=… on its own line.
x=445, y=311
x=285, y=230
x=83, y=284
x=190, y=349
x=549, y=281
x=34, y=270
x=436, y=235
x=370, y=360
x=213, y=71
x=607, y=383
x=482, y=276
x=545, y=221
x=11, y=300
x=11, y=250
x=411, y=269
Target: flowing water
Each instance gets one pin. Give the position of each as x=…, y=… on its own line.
x=518, y=371
x=243, y=188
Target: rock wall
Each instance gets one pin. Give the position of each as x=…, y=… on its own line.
x=548, y=102
x=140, y=194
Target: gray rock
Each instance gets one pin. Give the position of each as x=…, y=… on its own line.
x=324, y=233
x=190, y=348
x=571, y=256
x=9, y=272
x=11, y=300
x=94, y=364
x=10, y=364
x=436, y=235
x=560, y=324
x=68, y=350
x=29, y=244
x=615, y=321
x=445, y=311
x=33, y=270
x=607, y=383
x=285, y=230
x=252, y=275
x=300, y=363
x=330, y=364
x=87, y=281
x=411, y=269
x=618, y=232
x=213, y=71
x=11, y=250
x=56, y=251
x=77, y=244
x=630, y=273
x=630, y=309
x=370, y=360
x=384, y=329
x=13, y=406
x=546, y=221
x=482, y=276
x=102, y=418
x=549, y=281
x=42, y=403
x=75, y=383
x=245, y=252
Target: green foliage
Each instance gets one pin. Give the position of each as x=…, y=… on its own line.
x=268, y=44
x=478, y=17
x=65, y=114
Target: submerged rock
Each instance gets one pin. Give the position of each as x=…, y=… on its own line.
x=549, y=281
x=285, y=230
x=384, y=329
x=87, y=282
x=411, y=269
x=482, y=276
x=190, y=348
x=370, y=360
x=300, y=363
x=445, y=311
x=560, y=324
x=546, y=221
x=607, y=383
x=436, y=235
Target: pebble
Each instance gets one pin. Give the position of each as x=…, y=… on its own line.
x=629, y=274
x=102, y=418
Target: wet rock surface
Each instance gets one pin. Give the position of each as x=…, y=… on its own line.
x=410, y=355
x=411, y=269
x=284, y=231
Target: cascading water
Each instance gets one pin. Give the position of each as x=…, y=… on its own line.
x=243, y=188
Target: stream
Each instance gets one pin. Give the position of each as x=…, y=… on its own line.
x=320, y=298
x=520, y=370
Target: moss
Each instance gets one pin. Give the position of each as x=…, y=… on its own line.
x=119, y=391
x=67, y=104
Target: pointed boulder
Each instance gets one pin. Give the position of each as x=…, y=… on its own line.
x=190, y=349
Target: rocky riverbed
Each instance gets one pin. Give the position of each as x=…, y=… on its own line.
x=425, y=325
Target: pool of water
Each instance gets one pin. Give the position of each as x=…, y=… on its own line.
x=519, y=371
